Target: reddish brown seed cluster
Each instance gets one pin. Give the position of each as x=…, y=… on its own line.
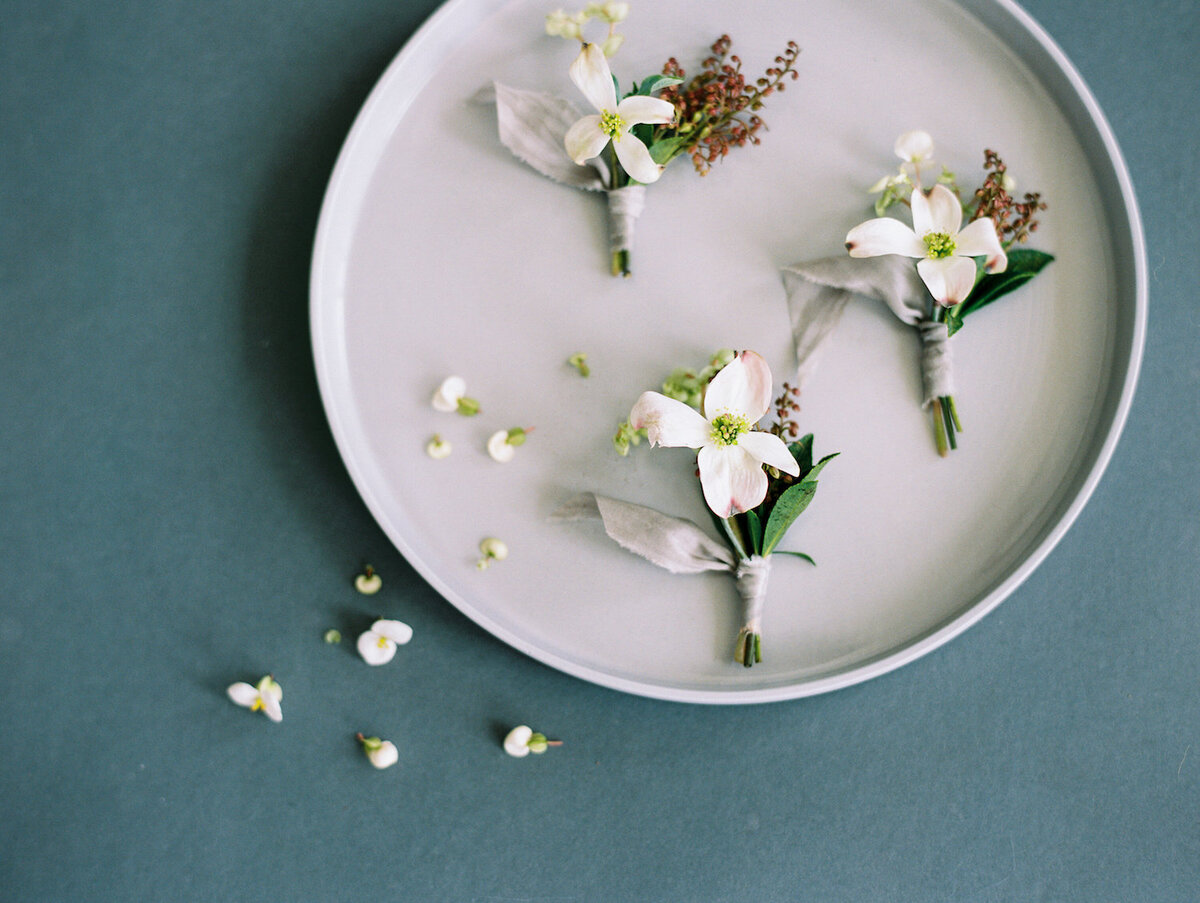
x=1014, y=220
x=786, y=408
x=717, y=109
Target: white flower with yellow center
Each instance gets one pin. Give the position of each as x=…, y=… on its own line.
x=945, y=250
x=377, y=646
x=588, y=137
x=732, y=453
x=265, y=697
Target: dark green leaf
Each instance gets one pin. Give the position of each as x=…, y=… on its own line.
x=653, y=83
x=754, y=525
x=643, y=132
x=953, y=320
x=795, y=555
x=792, y=503
x=802, y=451
x=1023, y=265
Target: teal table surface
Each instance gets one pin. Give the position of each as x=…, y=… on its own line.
x=174, y=516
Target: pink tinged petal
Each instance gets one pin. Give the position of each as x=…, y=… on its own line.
x=243, y=694
x=732, y=480
x=949, y=280
x=396, y=631
x=669, y=422
x=376, y=649
x=979, y=239
x=885, y=235
x=271, y=707
x=592, y=76
x=640, y=108
x=584, y=139
x=770, y=449
x=635, y=158
x=944, y=210
x=742, y=387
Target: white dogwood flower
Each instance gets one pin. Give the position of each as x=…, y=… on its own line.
x=377, y=646
x=732, y=453
x=265, y=697
x=588, y=137
x=945, y=249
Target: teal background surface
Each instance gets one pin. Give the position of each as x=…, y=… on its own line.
x=174, y=516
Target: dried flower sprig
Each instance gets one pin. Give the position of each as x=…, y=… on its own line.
x=718, y=109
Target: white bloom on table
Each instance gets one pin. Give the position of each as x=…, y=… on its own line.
x=588, y=137
x=451, y=396
x=265, y=697
x=380, y=753
x=732, y=453
x=523, y=740
x=377, y=646
x=945, y=250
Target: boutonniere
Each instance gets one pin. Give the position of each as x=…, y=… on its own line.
x=959, y=255
x=629, y=136
x=756, y=483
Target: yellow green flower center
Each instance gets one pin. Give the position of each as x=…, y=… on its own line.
x=939, y=244
x=611, y=124
x=727, y=427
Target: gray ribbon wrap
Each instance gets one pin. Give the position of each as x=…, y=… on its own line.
x=533, y=124
x=675, y=544
x=817, y=294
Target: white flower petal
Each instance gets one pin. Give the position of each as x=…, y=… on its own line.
x=885, y=235
x=732, y=480
x=271, y=707
x=243, y=694
x=669, y=422
x=584, y=139
x=949, y=280
x=941, y=211
x=449, y=392
x=385, y=756
x=742, y=387
x=636, y=159
x=770, y=449
x=914, y=146
x=516, y=744
x=592, y=76
x=979, y=239
x=396, y=631
x=499, y=447
x=375, y=649
x=641, y=108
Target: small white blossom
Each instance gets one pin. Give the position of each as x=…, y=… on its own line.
x=265, y=697
x=945, y=250
x=566, y=25
x=588, y=137
x=377, y=646
x=438, y=448
x=732, y=453
x=368, y=582
x=451, y=396
x=380, y=753
x=492, y=549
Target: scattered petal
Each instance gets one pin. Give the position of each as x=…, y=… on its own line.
x=368, y=582
x=516, y=744
x=449, y=392
x=499, y=447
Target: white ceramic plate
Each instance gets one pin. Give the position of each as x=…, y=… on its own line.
x=438, y=253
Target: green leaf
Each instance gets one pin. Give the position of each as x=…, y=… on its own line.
x=653, y=83
x=662, y=152
x=792, y=503
x=954, y=319
x=801, y=450
x=754, y=525
x=1023, y=265
x=807, y=558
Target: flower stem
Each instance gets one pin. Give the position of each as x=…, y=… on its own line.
x=749, y=648
x=620, y=263
x=946, y=415
x=939, y=427
x=953, y=412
